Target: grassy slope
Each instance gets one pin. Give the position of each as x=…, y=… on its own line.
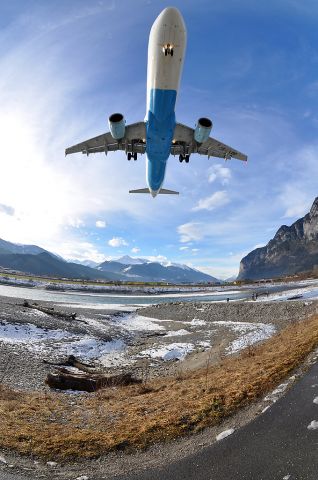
x=164, y=409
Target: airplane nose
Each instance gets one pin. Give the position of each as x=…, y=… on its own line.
x=171, y=15
x=153, y=193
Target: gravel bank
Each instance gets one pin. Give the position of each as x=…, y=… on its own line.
x=278, y=313
x=194, y=324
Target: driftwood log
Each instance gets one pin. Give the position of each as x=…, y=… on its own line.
x=51, y=311
x=72, y=361
x=65, y=380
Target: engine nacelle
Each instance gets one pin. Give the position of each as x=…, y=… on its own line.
x=117, y=126
x=202, y=130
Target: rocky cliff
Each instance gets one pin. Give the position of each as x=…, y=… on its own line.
x=293, y=250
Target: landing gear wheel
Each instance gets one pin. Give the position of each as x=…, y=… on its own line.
x=171, y=52
x=180, y=158
x=128, y=156
x=187, y=158
x=166, y=52
x=135, y=156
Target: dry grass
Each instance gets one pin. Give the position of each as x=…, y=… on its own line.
x=137, y=416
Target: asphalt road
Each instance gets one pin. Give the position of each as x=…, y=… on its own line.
x=277, y=445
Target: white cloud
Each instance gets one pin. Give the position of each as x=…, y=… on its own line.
x=117, y=242
x=218, y=172
x=300, y=182
x=258, y=245
x=221, y=272
x=217, y=199
x=190, y=231
x=194, y=250
x=296, y=201
x=157, y=258
x=183, y=248
x=76, y=250
x=75, y=222
x=6, y=209
x=135, y=250
x=100, y=224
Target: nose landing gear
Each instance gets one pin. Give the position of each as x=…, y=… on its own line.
x=168, y=49
x=186, y=158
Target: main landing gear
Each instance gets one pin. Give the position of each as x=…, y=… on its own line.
x=132, y=155
x=168, y=50
x=186, y=158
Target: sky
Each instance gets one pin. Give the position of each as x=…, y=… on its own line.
x=252, y=67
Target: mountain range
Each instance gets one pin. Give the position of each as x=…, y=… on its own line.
x=38, y=261
x=293, y=250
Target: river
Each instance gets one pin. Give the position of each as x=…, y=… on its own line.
x=112, y=300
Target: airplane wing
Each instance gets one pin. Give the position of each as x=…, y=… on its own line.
x=184, y=144
x=133, y=141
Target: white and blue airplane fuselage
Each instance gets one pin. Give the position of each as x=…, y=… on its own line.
x=163, y=79
x=159, y=136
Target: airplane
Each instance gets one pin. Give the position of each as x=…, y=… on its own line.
x=159, y=136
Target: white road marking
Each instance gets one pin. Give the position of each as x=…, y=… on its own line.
x=266, y=408
x=224, y=434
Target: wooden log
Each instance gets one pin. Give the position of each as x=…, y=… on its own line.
x=72, y=361
x=51, y=311
x=65, y=380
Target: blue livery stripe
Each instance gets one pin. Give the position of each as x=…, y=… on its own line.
x=160, y=125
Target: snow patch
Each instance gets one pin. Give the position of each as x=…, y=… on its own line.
x=173, y=351
x=315, y=400
x=89, y=347
x=273, y=396
x=305, y=293
x=313, y=425
x=176, y=333
x=105, y=306
x=30, y=336
x=197, y=322
x=250, y=333
x=137, y=323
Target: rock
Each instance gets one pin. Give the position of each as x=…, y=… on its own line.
x=52, y=464
x=83, y=477
x=293, y=250
x=2, y=459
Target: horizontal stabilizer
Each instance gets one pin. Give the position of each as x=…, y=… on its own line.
x=163, y=191
x=141, y=190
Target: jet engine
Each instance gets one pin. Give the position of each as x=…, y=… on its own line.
x=117, y=127
x=202, y=130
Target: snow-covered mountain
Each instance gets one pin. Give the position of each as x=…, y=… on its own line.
x=7, y=248
x=148, y=271
x=127, y=260
x=35, y=260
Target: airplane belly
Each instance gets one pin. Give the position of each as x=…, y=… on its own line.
x=163, y=78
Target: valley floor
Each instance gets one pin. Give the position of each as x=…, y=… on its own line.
x=156, y=342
